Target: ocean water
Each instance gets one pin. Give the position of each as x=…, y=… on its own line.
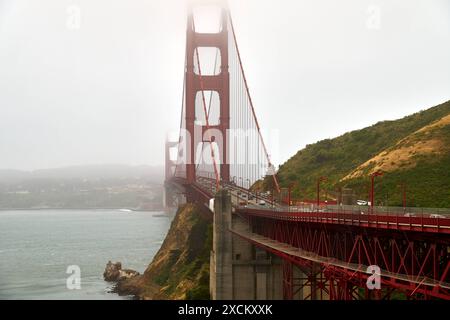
x=37, y=248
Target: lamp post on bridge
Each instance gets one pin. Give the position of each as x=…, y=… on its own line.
x=321, y=179
x=289, y=196
x=274, y=200
x=271, y=198
x=372, y=189
x=403, y=186
x=290, y=192
x=248, y=190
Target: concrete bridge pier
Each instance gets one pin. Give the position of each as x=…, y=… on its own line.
x=238, y=270
x=241, y=271
x=172, y=198
x=221, y=271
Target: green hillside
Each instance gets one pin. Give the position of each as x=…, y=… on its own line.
x=413, y=150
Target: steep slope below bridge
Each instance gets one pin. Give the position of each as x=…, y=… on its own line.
x=413, y=150
x=180, y=269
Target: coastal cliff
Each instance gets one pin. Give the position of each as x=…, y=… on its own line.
x=180, y=269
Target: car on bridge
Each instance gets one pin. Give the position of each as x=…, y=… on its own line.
x=435, y=215
x=361, y=203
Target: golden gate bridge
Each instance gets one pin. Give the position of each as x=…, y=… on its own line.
x=221, y=148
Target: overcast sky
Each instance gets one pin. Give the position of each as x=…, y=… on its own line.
x=106, y=88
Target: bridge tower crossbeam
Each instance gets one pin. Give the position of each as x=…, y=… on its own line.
x=196, y=83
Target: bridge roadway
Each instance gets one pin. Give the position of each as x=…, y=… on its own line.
x=394, y=218
x=270, y=228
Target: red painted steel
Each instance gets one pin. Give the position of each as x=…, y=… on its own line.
x=336, y=244
x=354, y=218
x=412, y=252
x=198, y=83
x=414, y=262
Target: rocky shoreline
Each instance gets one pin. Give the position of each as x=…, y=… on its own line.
x=180, y=269
x=122, y=279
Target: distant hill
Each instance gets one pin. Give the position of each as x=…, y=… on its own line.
x=91, y=172
x=414, y=150
x=99, y=186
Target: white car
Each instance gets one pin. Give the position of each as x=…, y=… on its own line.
x=362, y=203
x=434, y=215
x=262, y=203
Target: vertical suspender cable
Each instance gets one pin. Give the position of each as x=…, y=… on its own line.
x=251, y=104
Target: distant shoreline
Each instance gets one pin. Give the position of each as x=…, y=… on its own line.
x=81, y=208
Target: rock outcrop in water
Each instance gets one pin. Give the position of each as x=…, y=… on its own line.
x=114, y=273
x=180, y=269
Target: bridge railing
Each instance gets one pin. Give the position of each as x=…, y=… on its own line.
x=386, y=210
x=363, y=214
x=363, y=210
x=419, y=219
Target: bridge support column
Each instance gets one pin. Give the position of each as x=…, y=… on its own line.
x=288, y=279
x=221, y=270
x=172, y=198
x=313, y=280
x=293, y=282
x=167, y=198
x=238, y=270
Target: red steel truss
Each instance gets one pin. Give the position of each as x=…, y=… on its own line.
x=414, y=263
